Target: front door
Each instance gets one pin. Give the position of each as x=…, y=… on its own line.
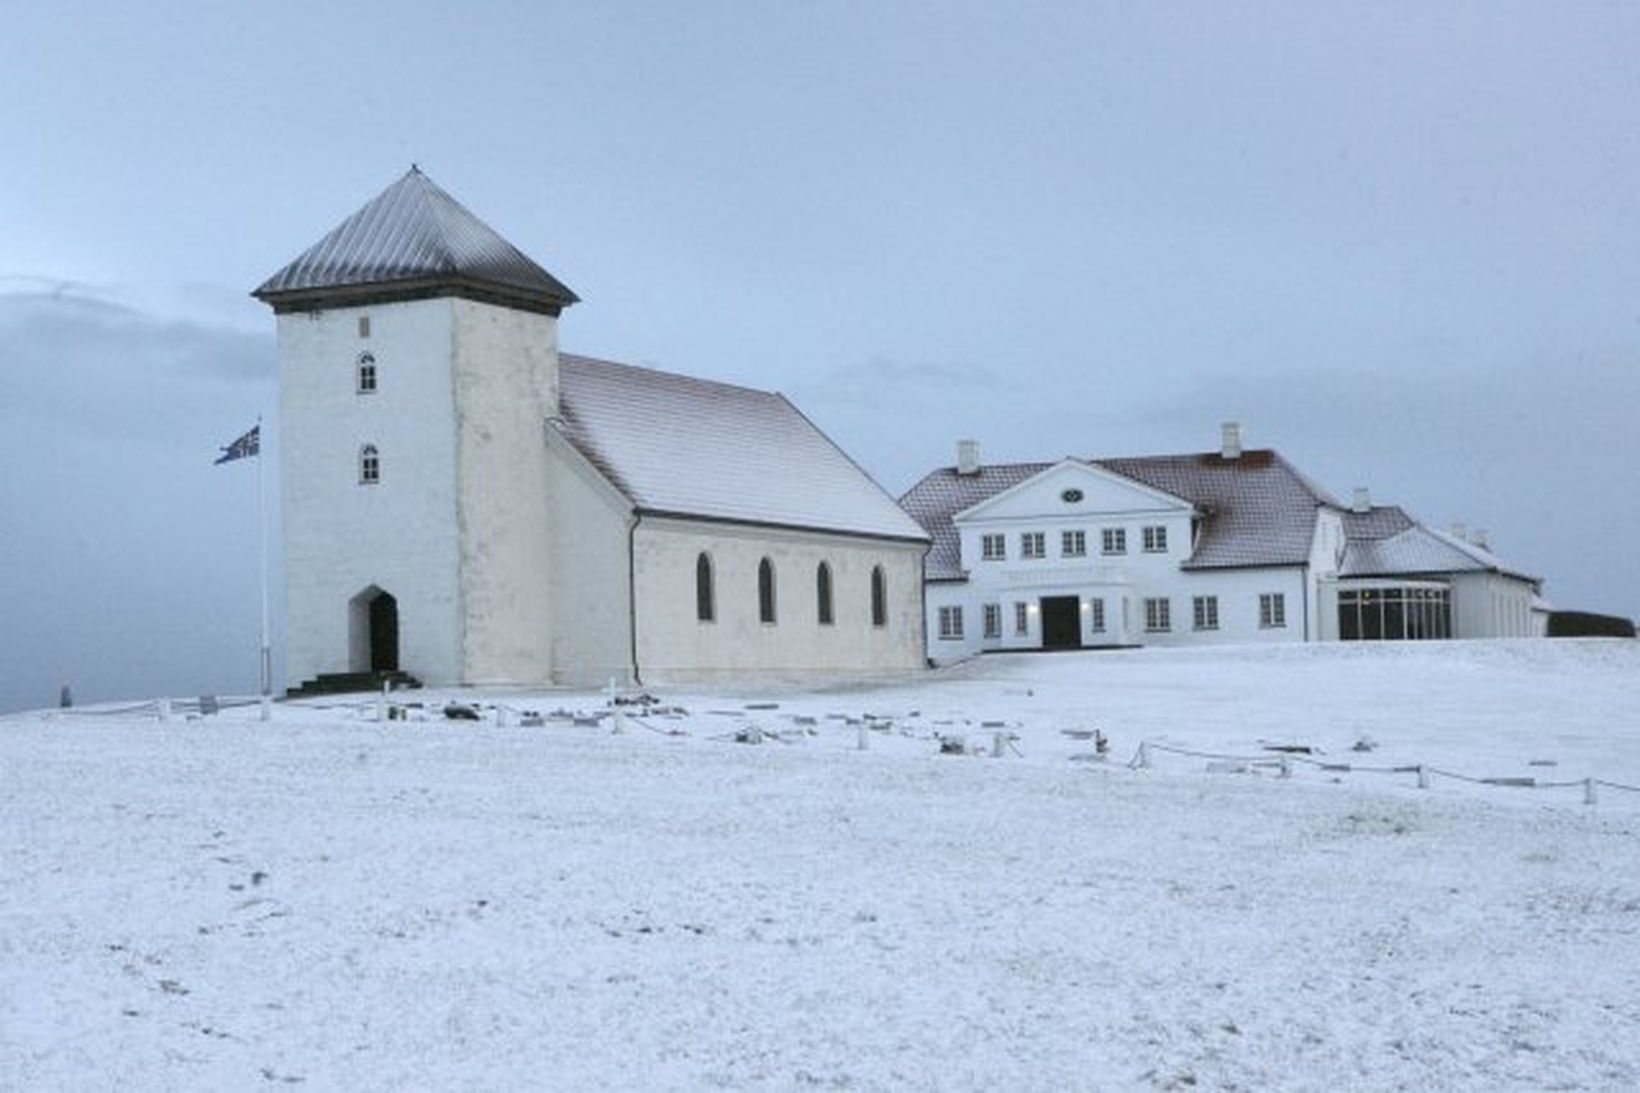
x=384, y=633
x=1061, y=622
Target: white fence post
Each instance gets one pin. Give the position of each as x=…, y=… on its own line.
x=1423, y=776
x=1286, y=767
x=864, y=740
x=1144, y=755
x=1589, y=794
x=164, y=709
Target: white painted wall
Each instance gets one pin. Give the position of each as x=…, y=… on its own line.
x=340, y=537
x=674, y=646
x=504, y=366
x=590, y=579
x=1490, y=605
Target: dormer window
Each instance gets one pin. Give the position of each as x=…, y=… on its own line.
x=367, y=374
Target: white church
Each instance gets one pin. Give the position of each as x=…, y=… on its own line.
x=1229, y=545
x=466, y=504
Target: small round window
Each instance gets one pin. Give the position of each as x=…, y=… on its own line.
x=1071, y=496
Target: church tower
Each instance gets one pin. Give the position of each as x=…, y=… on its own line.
x=418, y=368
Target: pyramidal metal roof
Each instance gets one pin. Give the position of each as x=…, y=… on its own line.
x=413, y=241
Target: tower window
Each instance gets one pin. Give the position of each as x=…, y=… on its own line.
x=364, y=326
x=367, y=373
x=879, y=597
x=370, y=465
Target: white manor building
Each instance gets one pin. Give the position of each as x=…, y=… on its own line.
x=1226, y=546
x=464, y=503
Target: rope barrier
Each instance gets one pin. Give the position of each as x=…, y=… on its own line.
x=1141, y=760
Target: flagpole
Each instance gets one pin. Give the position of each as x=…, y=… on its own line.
x=262, y=550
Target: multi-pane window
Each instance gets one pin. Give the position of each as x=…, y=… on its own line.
x=765, y=591
x=1073, y=544
x=367, y=373
x=951, y=624
x=1272, y=610
x=993, y=548
x=879, y=597
x=1114, y=540
x=1158, y=614
x=1394, y=614
x=822, y=592
x=1033, y=544
x=1096, y=616
x=705, y=605
x=1022, y=618
x=1155, y=539
x=1205, y=612
x=993, y=620
x=370, y=465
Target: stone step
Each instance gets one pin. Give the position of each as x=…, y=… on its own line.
x=339, y=683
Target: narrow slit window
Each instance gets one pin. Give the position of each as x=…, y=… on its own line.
x=879, y=597
x=765, y=591
x=705, y=606
x=822, y=593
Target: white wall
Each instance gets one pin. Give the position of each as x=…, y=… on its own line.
x=505, y=376
x=339, y=536
x=1489, y=605
x=673, y=645
x=590, y=580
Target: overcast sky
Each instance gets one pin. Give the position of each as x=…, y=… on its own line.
x=1400, y=243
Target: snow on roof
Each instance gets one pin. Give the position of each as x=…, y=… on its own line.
x=1378, y=522
x=1257, y=510
x=413, y=238
x=1419, y=549
x=1386, y=542
x=691, y=447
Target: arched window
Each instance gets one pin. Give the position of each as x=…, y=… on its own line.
x=705, y=609
x=879, y=597
x=765, y=590
x=367, y=373
x=370, y=465
x=822, y=591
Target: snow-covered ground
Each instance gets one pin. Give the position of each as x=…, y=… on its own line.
x=330, y=902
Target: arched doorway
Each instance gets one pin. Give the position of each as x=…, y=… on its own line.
x=373, y=631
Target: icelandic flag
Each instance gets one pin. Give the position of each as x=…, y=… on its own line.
x=248, y=445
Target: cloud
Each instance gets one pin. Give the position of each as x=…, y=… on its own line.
x=127, y=561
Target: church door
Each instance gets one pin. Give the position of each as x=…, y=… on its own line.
x=384, y=633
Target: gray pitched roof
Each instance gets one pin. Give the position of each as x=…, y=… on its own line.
x=690, y=447
x=1378, y=522
x=411, y=241
x=1256, y=510
x=1386, y=542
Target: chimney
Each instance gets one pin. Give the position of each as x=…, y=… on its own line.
x=1230, y=447
x=1481, y=539
x=967, y=457
x=1460, y=530
x=1362, y=501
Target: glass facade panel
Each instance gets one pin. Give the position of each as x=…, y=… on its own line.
x=1394, y=614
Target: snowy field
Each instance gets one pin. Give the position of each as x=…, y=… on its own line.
x=331, y=902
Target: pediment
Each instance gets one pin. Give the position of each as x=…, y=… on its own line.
x=1073, y=488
